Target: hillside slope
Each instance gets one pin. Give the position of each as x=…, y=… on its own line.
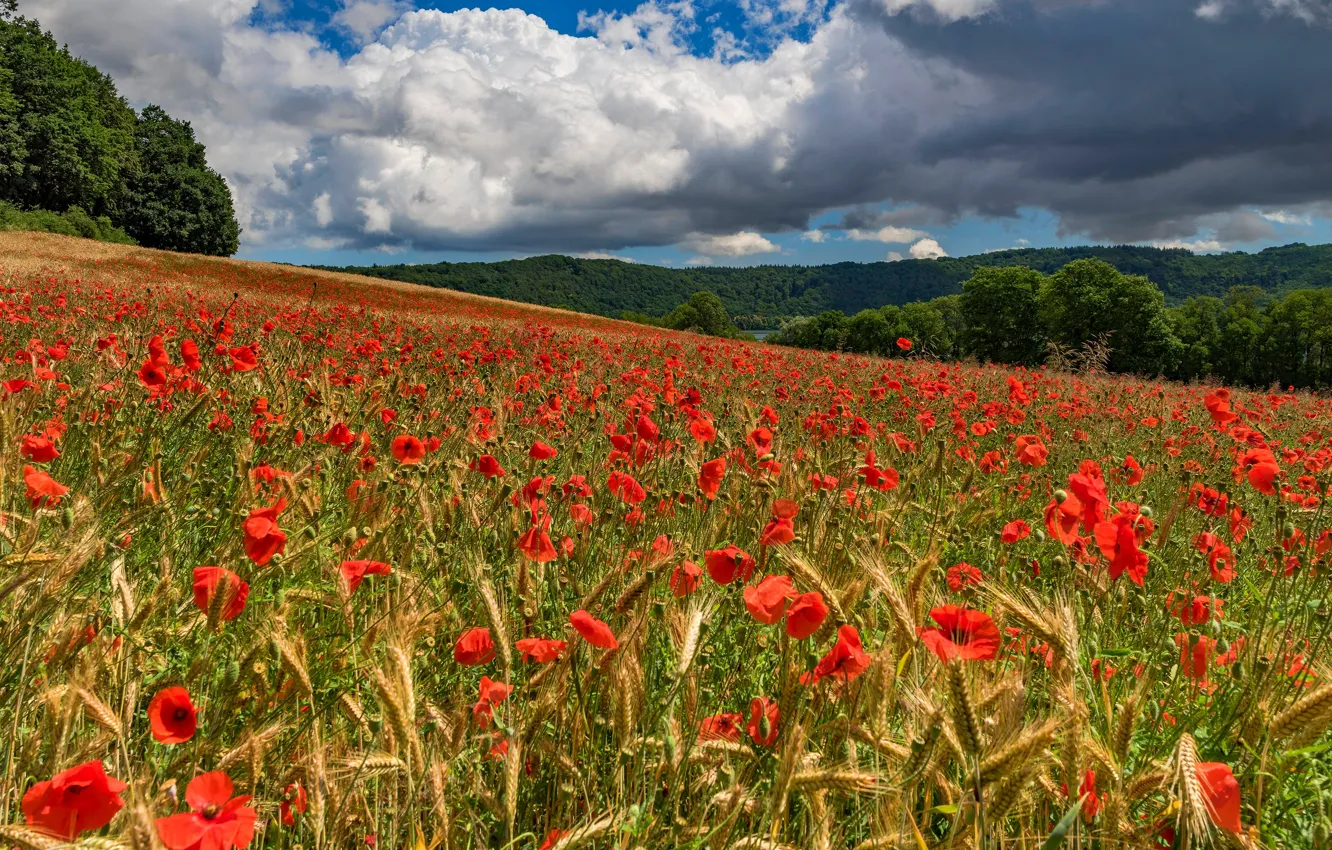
x=611, y=287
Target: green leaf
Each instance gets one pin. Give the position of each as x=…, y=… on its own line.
x=1065, y=824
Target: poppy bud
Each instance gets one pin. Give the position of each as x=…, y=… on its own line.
x=1145, y=511
x=67, y=518
x=765, y=725
x=1060, y=496
x=1287, y=530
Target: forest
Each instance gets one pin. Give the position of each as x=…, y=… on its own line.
x=764, y=296
x=77, y=159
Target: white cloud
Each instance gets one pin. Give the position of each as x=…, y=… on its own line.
x=889, y=234
x=740, y=244
x=1197, y=246
x=323, y=210
x=815, y=236
x=927, y=249
x=894, y=256
x=698, y=261
x=1211, y=10
x=948, y=10
x=601, y=255
x=1287, y=217
x=365, y=18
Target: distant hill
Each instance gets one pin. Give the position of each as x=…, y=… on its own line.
x=758, y=295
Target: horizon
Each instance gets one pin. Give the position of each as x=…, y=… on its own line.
x=759, y=132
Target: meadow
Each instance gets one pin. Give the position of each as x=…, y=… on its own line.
x=297, y=559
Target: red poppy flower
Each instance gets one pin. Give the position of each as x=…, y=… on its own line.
x=356, y=571
x=243, y=359
x=218, y=822
x=474, y=647
x=961, y=633
x=1118, y=542
x=768, y=599
x=685, y=578
x=487, y=466
x=778, y=532
x=38, y=449
x=846, y=660
x=1195, y=655
x=806, y=614
x=1221, y=793
x=903, y=343
x=263, y=538
x=1062, y=518
x=73, y=801
x=43, y=491
x=491, y=695
x=408, y=450
x=710, y=477
x=536, y=545
x=294, y=801
x=702, y=430
x=540, y=650
x=172, y=716
x=189, y=355
x=720, y=727
x=210, y=581
x=541, y=451
x=594, y=631
x=1015, y=531
x=963, y=575
x=625, y=486
x=725, y=565
x=761, y=441
x=552, y=838
x=1217, y=403
x=1030, y=450
x=764, y=717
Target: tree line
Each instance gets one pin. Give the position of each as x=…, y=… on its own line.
x=1088, y=313
x=75, y=158
x=764, y=296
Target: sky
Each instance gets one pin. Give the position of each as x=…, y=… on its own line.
x=737, y=132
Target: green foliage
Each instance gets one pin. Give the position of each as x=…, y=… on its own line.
x=999, y=315
x=73, y=222
x=703, y=313
x=765, y=296
x=175, y=201
x=69, y=141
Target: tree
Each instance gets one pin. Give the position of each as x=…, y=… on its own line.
x=175, y=201
x=75, y=132
x=704, y=313
x=999, y=311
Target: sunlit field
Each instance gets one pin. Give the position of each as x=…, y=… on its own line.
x=291, y=559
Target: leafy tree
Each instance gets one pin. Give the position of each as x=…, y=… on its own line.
x=75, y=143
x=1089, y=300
x=175, y=201
x=999, y=310
x=704, y=313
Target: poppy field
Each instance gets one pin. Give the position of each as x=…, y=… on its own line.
x=296, y=559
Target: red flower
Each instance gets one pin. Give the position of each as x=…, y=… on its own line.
x=492, y=694
x=243, y=359
x=552, y=838
x=710, y=477
x=294, y=800
x=702, y=430
x=38, y=449
x=720, y=727
x=189, y=355
x=172, y=716
x=779, y=531
x=210, y=581
x=356, y=571
x=1221, y=793
x=487, y=466
x=541, y=451
x=1015, y=531
x=218, y=822
x=625, y=486
x=1217, y=403
x=685, y=578
x=962, y=633
x=764, y=718
x=903, y=343
x=846, y=660
x=1092, y=805
x=724, y=565
x=1030, y=450
x=540, y=650
x=73, y=801
x=407, y=449
x=474, y=647
x=1195, y=655
x=536, y=545
x=594, y=631
x=263, y=538
x=767, y=600
x=1062, y=518
x=1118, y=542
x=963, y=575
x=43, y=491
x=806, y=614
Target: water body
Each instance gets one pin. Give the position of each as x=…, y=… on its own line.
x=763, y=334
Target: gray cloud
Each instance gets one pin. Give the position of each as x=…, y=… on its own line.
x=1131, y=120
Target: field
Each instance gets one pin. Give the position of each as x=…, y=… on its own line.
x=299, y=559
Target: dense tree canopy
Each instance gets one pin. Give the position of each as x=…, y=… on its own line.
x=68, y=141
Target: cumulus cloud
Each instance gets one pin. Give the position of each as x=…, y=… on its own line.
x=927, y=249
x=887, y=233
x=487, y=130
x=815, y=236
x=732, y=245
x=894, y=256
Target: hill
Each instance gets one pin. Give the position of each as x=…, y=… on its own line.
x=759, y=294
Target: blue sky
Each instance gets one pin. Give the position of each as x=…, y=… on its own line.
x=738, y=132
